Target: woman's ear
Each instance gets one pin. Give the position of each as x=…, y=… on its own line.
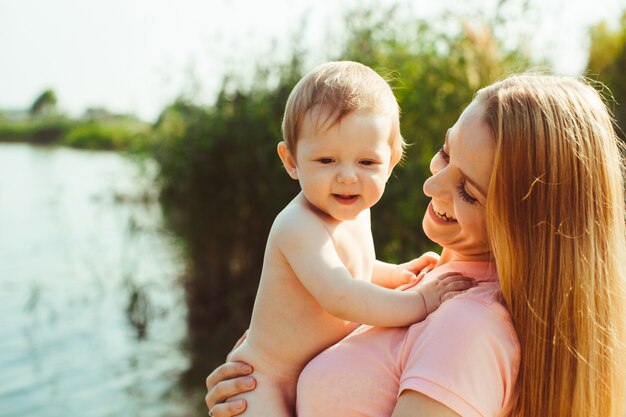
x=289, y=162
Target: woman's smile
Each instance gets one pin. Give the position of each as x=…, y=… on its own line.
x=448, y=218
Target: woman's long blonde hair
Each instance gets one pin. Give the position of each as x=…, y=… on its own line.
x=556, y=219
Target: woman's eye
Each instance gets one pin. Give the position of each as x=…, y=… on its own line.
x=465, y=196
x=442, y=152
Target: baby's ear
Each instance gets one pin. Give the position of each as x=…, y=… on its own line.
x=289, y=162
x=396, y=156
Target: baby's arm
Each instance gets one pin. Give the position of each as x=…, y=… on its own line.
x=392, y=276
x=310, y=252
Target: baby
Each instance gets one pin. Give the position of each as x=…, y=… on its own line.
x=320, y=275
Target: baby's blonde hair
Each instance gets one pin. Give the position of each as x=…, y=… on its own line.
x=339, y=88
x=556, y=215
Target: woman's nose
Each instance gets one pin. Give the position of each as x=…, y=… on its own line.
x=435, y=185
x=428, y=187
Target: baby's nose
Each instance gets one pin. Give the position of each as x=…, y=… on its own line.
x=346, y=175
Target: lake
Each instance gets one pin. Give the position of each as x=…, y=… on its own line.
x=92, y=309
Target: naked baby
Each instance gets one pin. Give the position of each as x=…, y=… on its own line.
x=320, y=277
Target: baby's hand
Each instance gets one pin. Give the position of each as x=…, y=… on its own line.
x=408, y=271
x=444, y=287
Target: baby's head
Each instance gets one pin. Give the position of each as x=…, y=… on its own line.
x=341, y=138
x=333, y=90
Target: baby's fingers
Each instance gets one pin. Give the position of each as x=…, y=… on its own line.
x=427, y=260
x=450, y=276
x=407, y=276
x=453, y=278
x=458, y=283
x=451, y=294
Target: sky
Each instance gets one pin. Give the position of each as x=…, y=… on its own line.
x=137, y=56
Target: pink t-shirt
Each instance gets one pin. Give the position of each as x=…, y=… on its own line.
x=464, y=355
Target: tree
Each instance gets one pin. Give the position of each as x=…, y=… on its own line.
x=44, y=104
x=607, y=63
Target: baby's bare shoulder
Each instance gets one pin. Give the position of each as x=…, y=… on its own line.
x=297, y=222
x=297, y=215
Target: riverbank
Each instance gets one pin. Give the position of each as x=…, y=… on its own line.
x=120, y=133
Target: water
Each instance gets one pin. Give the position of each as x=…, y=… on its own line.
x=92, y=311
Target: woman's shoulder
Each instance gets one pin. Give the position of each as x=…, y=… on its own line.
x=478, y=313
x=465, y=355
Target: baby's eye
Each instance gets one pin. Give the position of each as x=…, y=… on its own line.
x=368, y=162
x=325, y=160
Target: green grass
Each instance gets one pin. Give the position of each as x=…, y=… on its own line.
x=41, y=131
x=125, y=134
x=112, y=135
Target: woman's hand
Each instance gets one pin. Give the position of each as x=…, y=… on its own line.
x=225, y=382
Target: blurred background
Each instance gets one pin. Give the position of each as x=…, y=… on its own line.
x=138, y=175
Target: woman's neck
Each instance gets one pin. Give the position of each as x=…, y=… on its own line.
x=451, y=256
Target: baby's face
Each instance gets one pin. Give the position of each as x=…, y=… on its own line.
x=343, y=169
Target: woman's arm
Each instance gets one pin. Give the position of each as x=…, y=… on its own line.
x=415, y=404
x=231, y=379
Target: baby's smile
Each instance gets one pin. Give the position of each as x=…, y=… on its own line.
x=345, y=198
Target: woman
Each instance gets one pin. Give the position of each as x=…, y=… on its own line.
x=529, y=182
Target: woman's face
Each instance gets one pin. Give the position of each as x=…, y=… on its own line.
x=461, y=171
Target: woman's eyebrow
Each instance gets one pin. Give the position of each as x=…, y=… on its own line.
x=475, y=185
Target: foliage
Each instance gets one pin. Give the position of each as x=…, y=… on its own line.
x=37, y=131
x=45, y=103
x=120, y=133
x=222, y=182
x=111, y=135
x=98, y=129
x=607, y=63
x=222, y=185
